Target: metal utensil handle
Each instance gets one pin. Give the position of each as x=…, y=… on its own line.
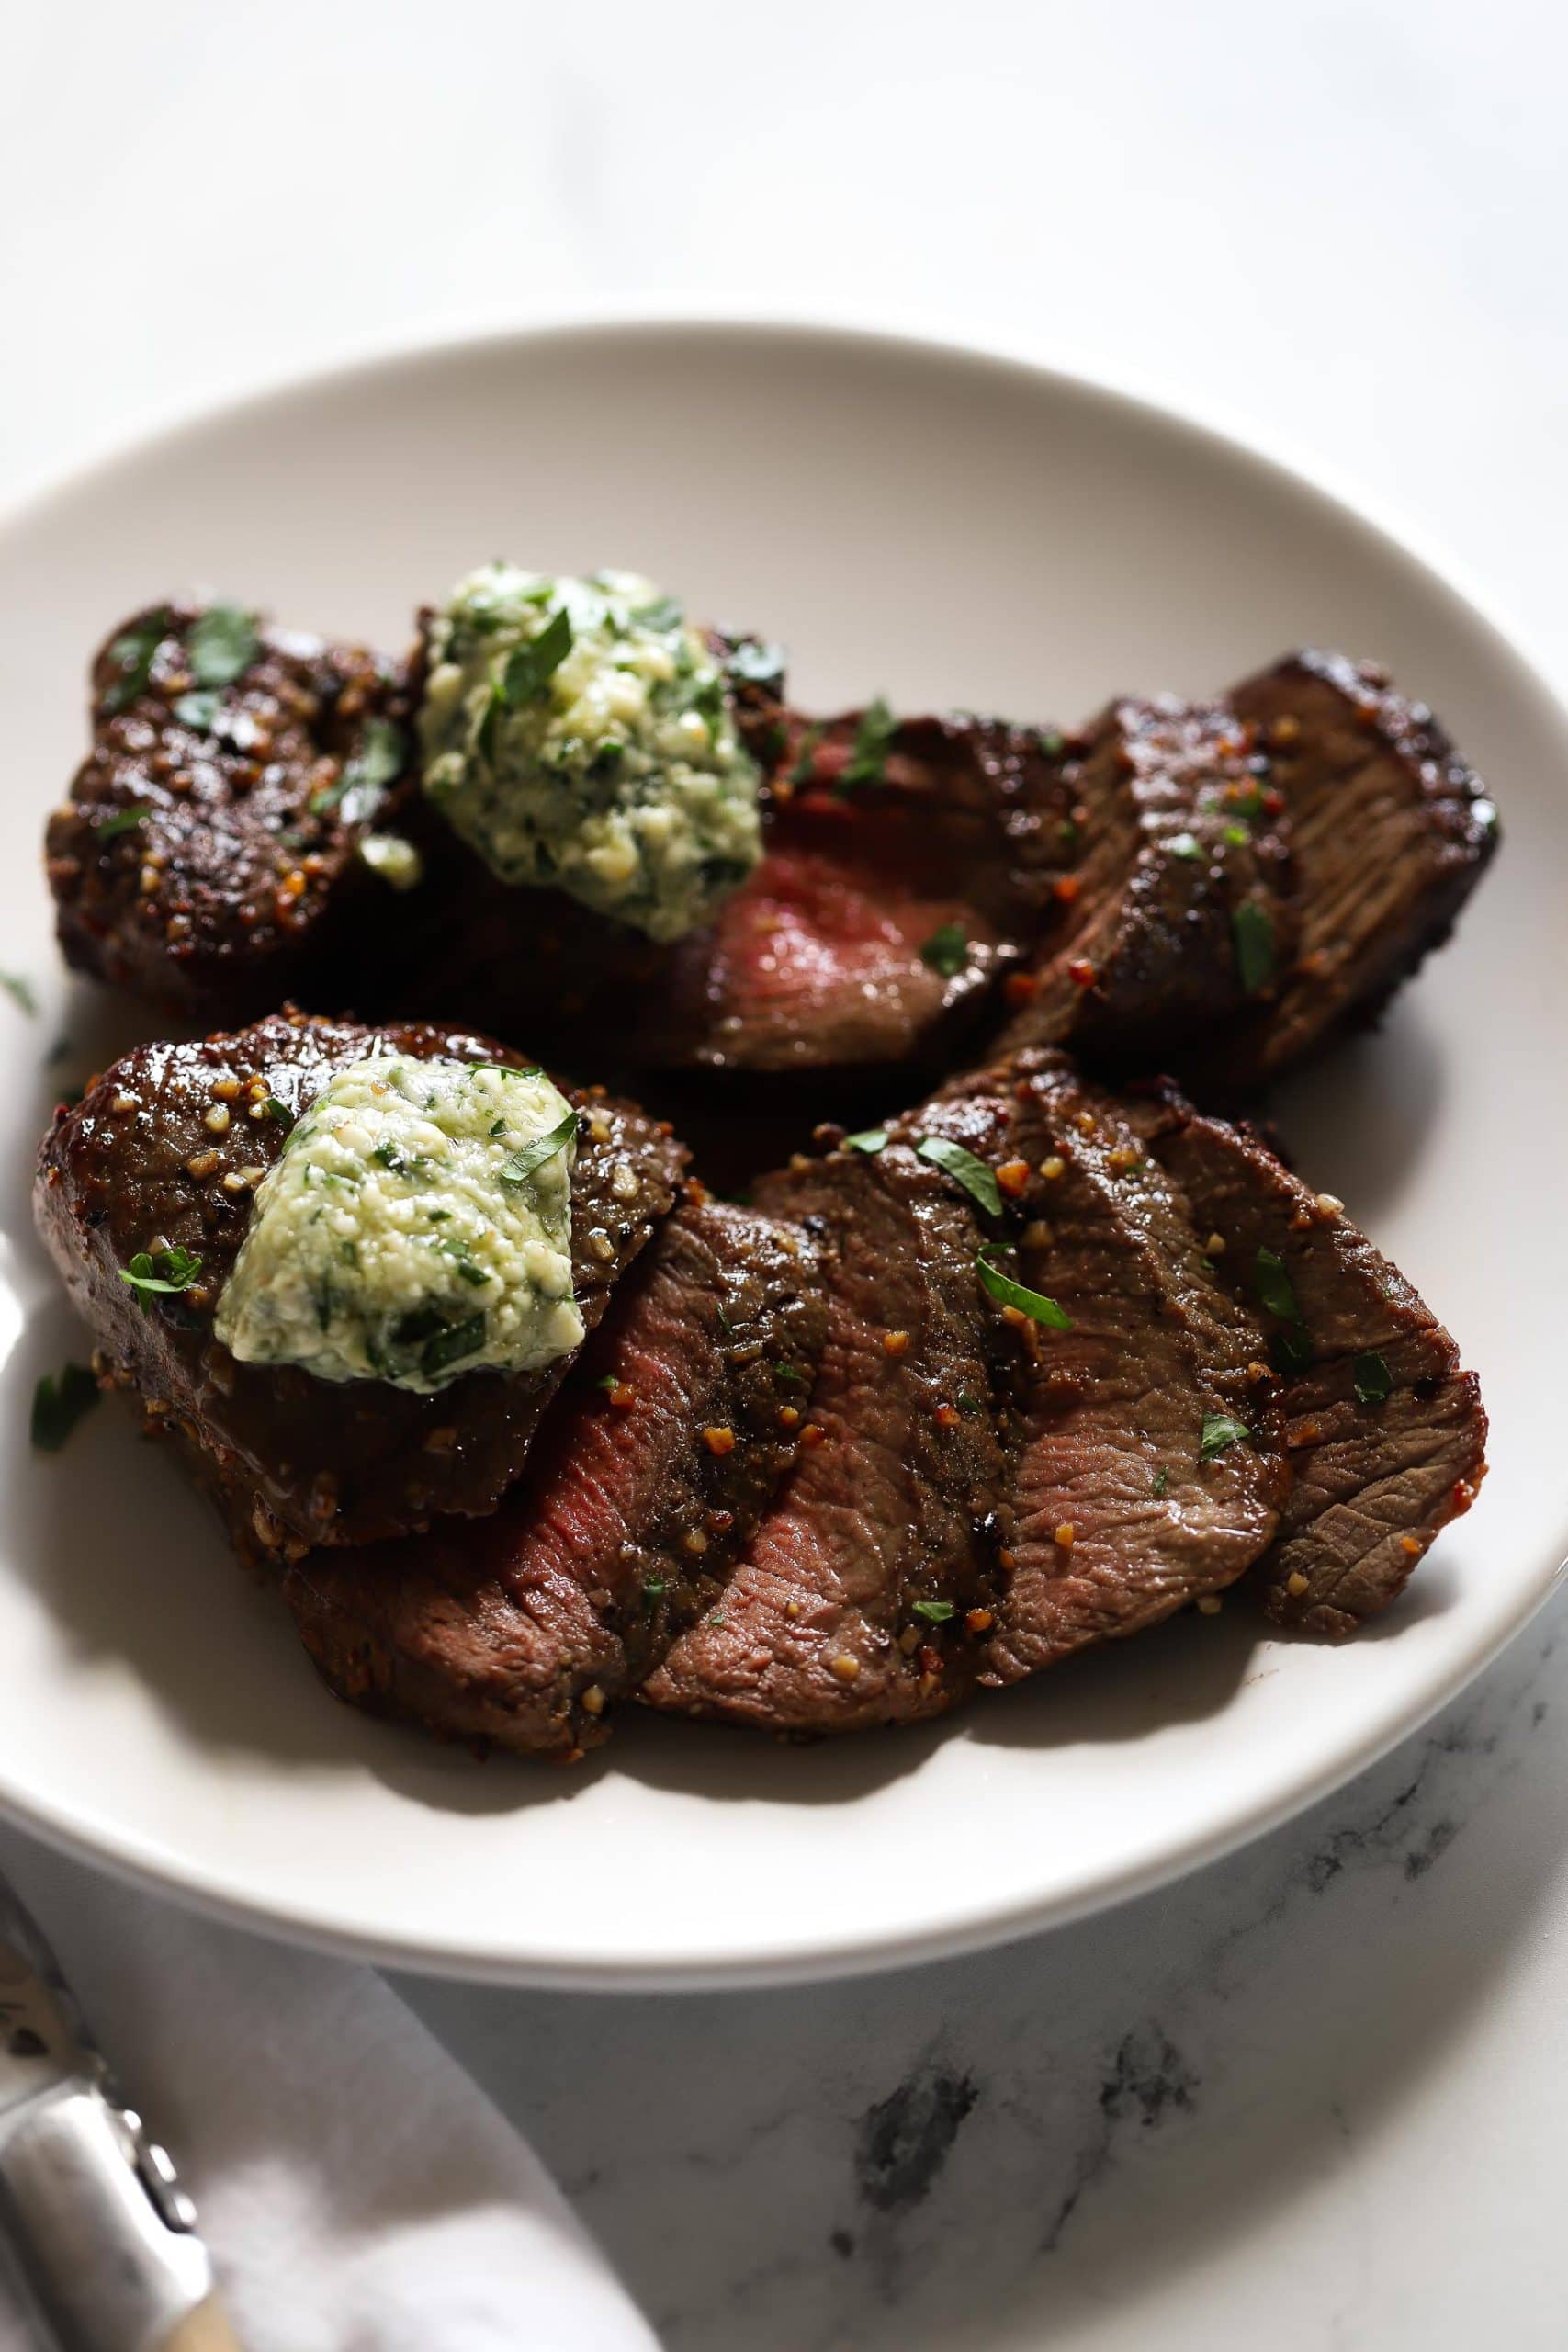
x=107, y=2268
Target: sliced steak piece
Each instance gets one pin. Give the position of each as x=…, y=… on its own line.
x=907, y=868
x=1129, y=1498
x=137, y=1166
x=661, y=1456
x=1176, y=920
x=209, y=854
x=851, y=1605
x=1389, y=830
x=1387, y=1433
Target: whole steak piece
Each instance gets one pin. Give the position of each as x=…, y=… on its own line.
x=1385, y=1432
x=165, y=1152
x=660, y=1457
x=208, y=855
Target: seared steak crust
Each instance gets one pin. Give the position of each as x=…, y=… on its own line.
x=214, y=866
x=1376, y=1476
x=1390, y=831
x=1117, y=1516
x=136, y=1166
x=1178, y=849
x=663, y=1452
x=851, y=1605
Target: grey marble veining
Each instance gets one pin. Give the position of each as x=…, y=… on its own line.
x=1073, y=2140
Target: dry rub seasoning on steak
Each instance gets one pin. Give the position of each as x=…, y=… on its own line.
x=662, y=1452
x=165, y=1152
x=1386, y=1432
x=207, y=857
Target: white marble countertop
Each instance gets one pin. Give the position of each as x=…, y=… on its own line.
x=1313, y=2094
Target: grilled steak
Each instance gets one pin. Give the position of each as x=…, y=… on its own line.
x=1386, y=1432
x=1175, y=920
x=906, y=868
x=207, y=855
x=663, y=1454
x=851, y=1605
x=137, y=1166
x=1388, y=830
x=1128, y=1497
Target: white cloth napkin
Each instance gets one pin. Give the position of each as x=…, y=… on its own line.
x=358, y=2192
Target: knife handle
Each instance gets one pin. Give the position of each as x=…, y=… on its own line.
x=203, y=2330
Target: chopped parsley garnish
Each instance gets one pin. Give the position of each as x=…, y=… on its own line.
x=1247, y=804
x=123, y=821
x=221, y=644
x=532, y=1156
x=653, y=1591
x=806, y=756
x=978, y=1180
x=1033, y=1303
x=160, y=1274
x=460, y=1340
x=1219, y=1430
x=936, y=1613
x=359, y=790
x=1068, y=832
x=790, y=1376
x=1274, y=1286
x=1252, y=932
x=1236, y=835
x=200, y=709
x=1050, y=742
x=870, y=1140
x=387, y=1155
x=1161, y=1481
x=759, y=663
x=133, y=655
x=276, y=1110
x=59, y=1402
x=497, y=1127
x=1371, y=1378
x=20, y=991
x=608, y=1382
x=947, y=950
x=1291, y=1351
x=1185, y=845
x=868, y=752
x=531, y=666
x=664, y=614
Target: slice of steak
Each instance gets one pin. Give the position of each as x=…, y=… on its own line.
x=209, y=854
x=662, y=1454
x=1175, y=921
x=1390, y=831
x=1131, y=1495
x=907, y=868
x=137, y=1166
x=852, y=1604
x=1386, y=1432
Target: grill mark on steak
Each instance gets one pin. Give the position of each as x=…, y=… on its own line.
x=523, y=1629
x=817, y=959
x=1390, y=831
x=1375, y=1484
x=232, y=892
x=1174, y=839
x=309, y=1461
x=1116, y=1521
x=818, y=1629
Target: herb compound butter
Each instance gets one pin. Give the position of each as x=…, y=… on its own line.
x=578, y=734
x=417, y=1227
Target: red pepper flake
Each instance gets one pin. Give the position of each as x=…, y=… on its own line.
x=947, y=1417
x=979, y=1621
x=895, y=1342
x=1007, y=1560
x=813, y=1434
x=1019, y=987
x=1066, y=887
x=1081, y=972
x=622, y=1396
x=1012, y=1178
x=1410, y=1543
x=1273, y=799
x=789, y=1416
x=721, y=1521
x=930, y=1660
x=719, y=1441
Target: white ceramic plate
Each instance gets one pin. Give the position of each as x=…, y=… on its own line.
x=948, y=527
